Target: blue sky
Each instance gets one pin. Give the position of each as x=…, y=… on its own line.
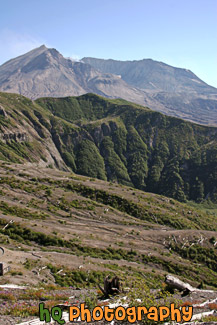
x=182, y=33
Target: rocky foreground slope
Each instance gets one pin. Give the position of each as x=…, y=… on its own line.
x=62, y=229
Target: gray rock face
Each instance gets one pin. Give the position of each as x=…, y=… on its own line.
x=44, y=72
x=174, y=91
x=152, y=75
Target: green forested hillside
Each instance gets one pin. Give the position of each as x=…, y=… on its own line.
x=133, y=145
x=117, y=141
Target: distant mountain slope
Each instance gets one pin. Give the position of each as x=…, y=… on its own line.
x=173, y=91
x=153, y=75
x=177, y=92
x=113, y=140
x=45, y=72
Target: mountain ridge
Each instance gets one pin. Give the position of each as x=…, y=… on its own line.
x=45, y=72
x=129, y=72
x=112, y=140
x=63, y=233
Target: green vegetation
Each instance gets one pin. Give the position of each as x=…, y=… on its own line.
x=139, y=147
x=186, y=221
x=26, y=235
x=197, y=253
x=21, y=212
x=98, y=225
x=89, y=161
x=116, y=141
x=95, y=229
x=78, y=277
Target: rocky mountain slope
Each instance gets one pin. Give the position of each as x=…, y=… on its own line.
x=62, y=229
x=148, y=74
x=45, y=72
x=112, y=140
x=176, y=92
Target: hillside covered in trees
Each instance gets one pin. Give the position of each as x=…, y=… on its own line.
x=112, y=140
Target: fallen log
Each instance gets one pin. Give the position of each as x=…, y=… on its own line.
x=175, y=283
x=36, y=255
x=11, y=221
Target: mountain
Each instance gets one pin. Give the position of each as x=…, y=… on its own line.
x=174, y=91
x=45, y=72
x=177, y=92
x=152, y=75
x=112, y=140
x=63, y=233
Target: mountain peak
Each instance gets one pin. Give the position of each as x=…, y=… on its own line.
x=44, y=72
x=40, y=48
x=44, y=47
x=36, y=51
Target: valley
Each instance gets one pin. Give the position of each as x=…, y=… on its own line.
x=91, y=187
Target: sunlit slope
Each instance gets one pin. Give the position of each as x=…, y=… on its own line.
x=111, y=140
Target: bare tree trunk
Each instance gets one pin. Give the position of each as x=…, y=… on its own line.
x=111, y=286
